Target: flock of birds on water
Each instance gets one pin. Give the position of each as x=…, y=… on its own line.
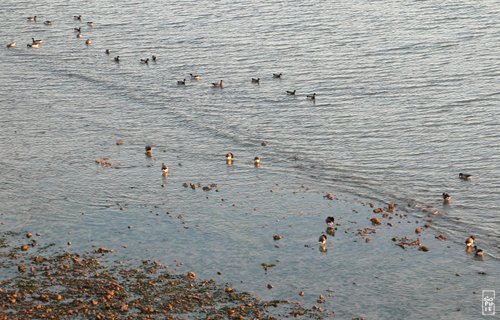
x=470, y=245
x=36, y=43
x=330, y=221
x=470, y=241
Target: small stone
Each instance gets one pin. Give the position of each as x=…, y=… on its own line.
x=269, y=286
x=301, y=293
x=376, y=221
x=21, y=268
x=191, y=275
x=119, y=142
x=418, y=230
x=25, y=247
x=441, y=237
x=229, y=290
x=391, y=207
x=29, y=235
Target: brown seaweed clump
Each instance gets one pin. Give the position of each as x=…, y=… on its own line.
x=73, y=286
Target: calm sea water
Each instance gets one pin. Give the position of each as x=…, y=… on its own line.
x=408, y=96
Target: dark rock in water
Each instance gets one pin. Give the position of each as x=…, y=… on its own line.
x=423, y=248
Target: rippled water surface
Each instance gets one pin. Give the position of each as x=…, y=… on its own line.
x=408, y=96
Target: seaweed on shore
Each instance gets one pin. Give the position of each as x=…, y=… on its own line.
x=74, y=286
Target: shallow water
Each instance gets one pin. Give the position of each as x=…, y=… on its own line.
x=407, y=97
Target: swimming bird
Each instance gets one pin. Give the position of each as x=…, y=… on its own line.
x=291, y=93
x=149, y=151
x=322, y=240
x=90, y=23
x=164, y=169
x=219, y=84
x=33, y=45
x=181, y=82
x=77, y=29
x=277, y=75
x=39, y=41
x=79, y=35
x=117, y=59
x=229, y=156
x=145, y=61
x=255, y=80
x=257, y=161
x=464, y=176
x=330, y=222
x=77, y=17
x=479, y=252
x=446, y=197
x=107, y=51
x=47, y=22
x=32, y=18
x=88, y=42
x=470, y=241
x=195, y=76
x=11, y=45
x=311, y=96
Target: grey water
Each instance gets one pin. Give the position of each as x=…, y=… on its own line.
x=407, y=97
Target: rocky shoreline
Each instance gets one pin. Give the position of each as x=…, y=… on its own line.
x=89, y=286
